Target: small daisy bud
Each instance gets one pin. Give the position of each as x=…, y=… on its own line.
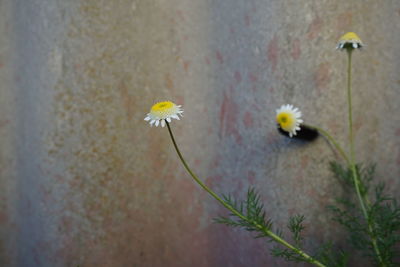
x=349, y=41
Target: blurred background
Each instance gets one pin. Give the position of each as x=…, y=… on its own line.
x=84, y=180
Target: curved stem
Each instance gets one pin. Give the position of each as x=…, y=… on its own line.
x=361, y=197
x=237, y=213
x=332, y=140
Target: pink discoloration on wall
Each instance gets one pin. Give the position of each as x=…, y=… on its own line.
x=214, y=180
x=251, y=177
x=181, y=15
x=186, y=65
x=197, y=163
x=296, y=49
x=314, y=28
x=253, y=77
x=357, y=124
x=322, y=76
x=227, y=116
x=168, y=81
x=219, y=57
x=397, y=132
x=127, y=100
x=207, y=60
x=273, y=52
x=344, y=22
x=248, y=120
x=3, y=123
x=305, y=159
x=238, y=77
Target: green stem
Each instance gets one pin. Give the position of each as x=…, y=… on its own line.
x=332, y=140
x=362, y=198
x=237, y=213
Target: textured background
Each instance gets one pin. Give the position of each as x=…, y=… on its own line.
x=85, y=181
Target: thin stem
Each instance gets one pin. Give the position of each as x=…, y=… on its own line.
x=362, y=198
x=332, y=140
x=237, y=213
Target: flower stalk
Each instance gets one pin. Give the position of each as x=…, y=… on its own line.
x=364, y=203
x=263, y=229
x=332, y=140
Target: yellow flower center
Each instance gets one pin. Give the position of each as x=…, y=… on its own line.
x=350, y=36
x=286, y=120
x=162, y=106
x=163, y=109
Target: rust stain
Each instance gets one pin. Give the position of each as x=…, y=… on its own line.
x=227, y=115
x=322, y=76
x=251, y=177
x=219, y=57
x=248, y=119
x=169, y=83
x=186, y=65
x=273, y=52
x=314, y=28
x=253, y=78
x=127, y=99
x=304, y=161
x=344, y=21
x=296, y=49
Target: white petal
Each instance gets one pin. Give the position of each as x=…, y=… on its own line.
x=153, y=121
x=354, y=45
x=147, y=118
x=168, y=119
x=162, y=123
x=157, y=123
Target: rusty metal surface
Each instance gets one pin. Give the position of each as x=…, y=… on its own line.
x=84, y=181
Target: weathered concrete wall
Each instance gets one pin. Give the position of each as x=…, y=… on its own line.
x=85, y=182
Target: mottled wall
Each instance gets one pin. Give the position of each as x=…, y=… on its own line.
x=85, y=181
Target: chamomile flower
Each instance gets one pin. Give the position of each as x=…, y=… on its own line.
x=288, y=118
x=163, y=111
x=349, y=41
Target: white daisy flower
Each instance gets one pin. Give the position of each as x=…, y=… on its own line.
x=349, y=41
x=288, y=118
x=163, y=111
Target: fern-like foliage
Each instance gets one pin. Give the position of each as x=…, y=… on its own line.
x=253, y=219
x=295, y=226
x=383, y=216
x=253, y=215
